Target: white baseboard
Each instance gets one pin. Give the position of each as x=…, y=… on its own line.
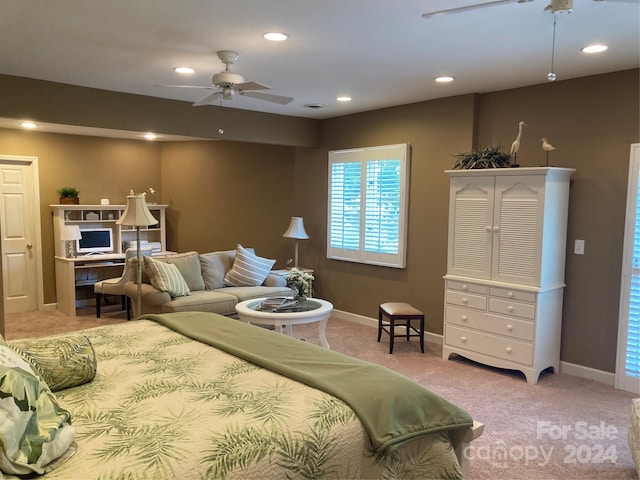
x=567, y=368
x=581, y=371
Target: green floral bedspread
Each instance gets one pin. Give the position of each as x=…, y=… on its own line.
x=163, y=406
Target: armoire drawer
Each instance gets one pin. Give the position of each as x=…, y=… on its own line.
x=466, y=300
x=500, y=347
x=517, y=295
x=466, y=287
x=495, y=324
x=508, y=307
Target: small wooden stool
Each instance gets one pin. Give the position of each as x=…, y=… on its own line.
x=399, y=312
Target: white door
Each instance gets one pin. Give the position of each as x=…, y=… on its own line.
x=628, y=355
x=20, y=230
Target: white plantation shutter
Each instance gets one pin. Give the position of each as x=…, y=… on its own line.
x=368, y=202
x=628, y=355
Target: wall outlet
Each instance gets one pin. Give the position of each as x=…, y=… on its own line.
x=578, y=249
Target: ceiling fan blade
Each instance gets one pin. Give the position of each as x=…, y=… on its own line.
x=470, y=7
x=267, y=97
x=251, y=86
x=208, y=99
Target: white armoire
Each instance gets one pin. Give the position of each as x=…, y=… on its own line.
x=505, y=267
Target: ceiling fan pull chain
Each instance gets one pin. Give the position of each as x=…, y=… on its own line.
x=551, y=76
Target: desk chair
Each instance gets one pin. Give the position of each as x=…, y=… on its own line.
x=115, y=286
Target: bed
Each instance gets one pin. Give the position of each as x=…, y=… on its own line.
x=198, y=396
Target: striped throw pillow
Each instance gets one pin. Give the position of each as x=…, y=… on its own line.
x=248, y=269
x=166, y=277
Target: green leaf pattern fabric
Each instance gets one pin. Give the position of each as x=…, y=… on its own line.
x=164, y=406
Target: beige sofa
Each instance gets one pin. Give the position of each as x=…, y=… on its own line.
x=204, y=274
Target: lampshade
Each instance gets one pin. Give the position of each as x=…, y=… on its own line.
x=70, y=232
x=296, y=229
x=137, y=214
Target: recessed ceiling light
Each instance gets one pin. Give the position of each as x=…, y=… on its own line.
x=343, y=98
x=28, y=125
x=595, y=48
x=445, y=79
x=187, y=70
x=276, y=36
x=150, y=136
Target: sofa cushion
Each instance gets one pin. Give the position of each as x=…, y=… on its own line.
x=189, y=265
x=166, y=277
x=63, y=362
x=248, y=269
x=214, y=266
x=203, y=301
x=249, y=293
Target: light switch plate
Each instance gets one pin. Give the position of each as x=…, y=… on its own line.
x=579, y=247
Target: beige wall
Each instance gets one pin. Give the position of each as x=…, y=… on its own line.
x=221, y=193
x=224, y=193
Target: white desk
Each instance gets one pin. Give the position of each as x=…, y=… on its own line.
x=84, y=271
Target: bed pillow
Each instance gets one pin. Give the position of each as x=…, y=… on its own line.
x=62, y=362
x=248, y=269
x=35, y=432
x=166, y=277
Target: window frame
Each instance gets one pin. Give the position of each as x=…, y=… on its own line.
x=364, y=156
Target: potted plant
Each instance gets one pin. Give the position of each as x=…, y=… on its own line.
x=490, y=157
x=69, y=195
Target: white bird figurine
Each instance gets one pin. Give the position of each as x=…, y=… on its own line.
x=515, y=146
x=547, y=147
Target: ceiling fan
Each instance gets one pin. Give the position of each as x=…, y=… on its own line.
x=555, y=6
x=227, y=84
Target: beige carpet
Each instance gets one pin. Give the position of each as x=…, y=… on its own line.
x=562, y=428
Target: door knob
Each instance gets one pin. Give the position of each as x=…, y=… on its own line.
x=29, y=246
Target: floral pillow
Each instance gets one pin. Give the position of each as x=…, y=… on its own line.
x=35, y=432
x=62, y=362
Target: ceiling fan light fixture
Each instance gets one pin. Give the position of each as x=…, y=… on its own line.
x=444, y=79
x=596, y=48
x=275, y=36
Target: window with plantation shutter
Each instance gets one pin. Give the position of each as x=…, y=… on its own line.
x=628, y=363
x=368, y=202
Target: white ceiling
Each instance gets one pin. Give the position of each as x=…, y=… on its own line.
x=380, y=52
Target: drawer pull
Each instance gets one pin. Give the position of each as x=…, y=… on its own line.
x=510, y=294
x=510, y=308
x=509, y=328
x=465, y=300
x=508, y=349
x=465, y=287
x=463, y=339
x=463, y=318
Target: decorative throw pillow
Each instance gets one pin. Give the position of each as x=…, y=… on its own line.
x=166, y=277
x=189, y=265
x=34, y=430
x=248, y=269
x=62, y=362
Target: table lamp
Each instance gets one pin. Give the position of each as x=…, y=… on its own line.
x=296, y=230
x=70, y=233
x=138, y=215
